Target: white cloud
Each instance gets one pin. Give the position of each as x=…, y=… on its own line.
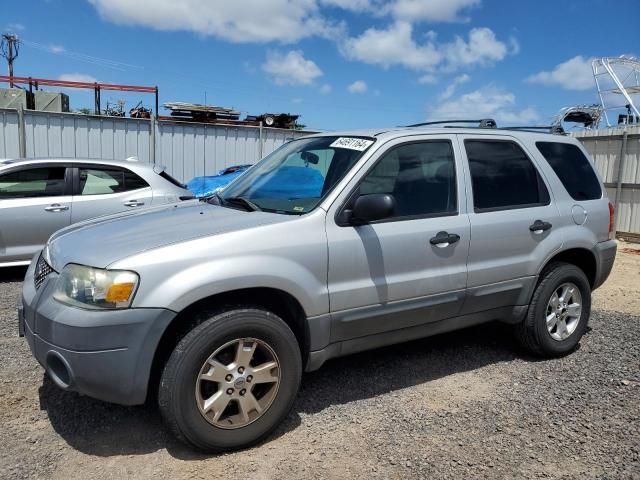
x=482, y=48
x=574, y=74
x=409, y=10
x=56, y=48
x=14, y=27
x=431, y=10
x=486, y=102
x=396, y=46
x=77, y=77
x=263, y=21
x=451, y=88
x=353, y=5
x=325, y=89
x=393, y=46
x=291, y=68
x=428, y=79
x=239, y=21
x=359, y=86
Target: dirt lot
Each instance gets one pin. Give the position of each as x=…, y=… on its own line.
x=461, y=405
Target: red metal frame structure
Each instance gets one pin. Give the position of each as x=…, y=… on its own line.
x=97, y=87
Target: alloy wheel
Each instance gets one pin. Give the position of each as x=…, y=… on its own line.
x=238, y=383
x=564, y=311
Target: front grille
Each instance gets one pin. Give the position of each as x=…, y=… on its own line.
x=41, y=272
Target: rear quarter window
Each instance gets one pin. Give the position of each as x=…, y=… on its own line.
x=573, y=169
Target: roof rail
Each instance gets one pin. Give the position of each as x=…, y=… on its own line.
x=554, y=129
x=482, y=123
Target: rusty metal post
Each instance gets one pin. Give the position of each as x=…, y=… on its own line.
x=152, y=139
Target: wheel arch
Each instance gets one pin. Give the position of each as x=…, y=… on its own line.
x=279, y=302
x=582, y=258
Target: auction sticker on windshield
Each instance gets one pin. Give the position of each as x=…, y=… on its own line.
x=359, y=144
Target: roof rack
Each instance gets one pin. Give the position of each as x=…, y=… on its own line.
x=554, y=129
x=482, y=123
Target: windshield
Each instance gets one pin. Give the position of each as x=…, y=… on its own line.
x=298, y=175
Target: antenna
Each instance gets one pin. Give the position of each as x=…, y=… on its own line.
x=9, y=48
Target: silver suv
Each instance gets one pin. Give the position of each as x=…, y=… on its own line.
x=333, y=244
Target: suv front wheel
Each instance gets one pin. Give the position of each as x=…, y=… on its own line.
x=558, y=313
x=231, y=380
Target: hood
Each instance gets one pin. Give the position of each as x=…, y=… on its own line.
x=104, y=240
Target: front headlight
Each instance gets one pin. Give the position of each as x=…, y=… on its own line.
x=89, y=287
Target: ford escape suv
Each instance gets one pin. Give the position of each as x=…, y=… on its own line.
x=215, y=307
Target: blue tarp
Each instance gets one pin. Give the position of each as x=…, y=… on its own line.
x=208, y=185
x=291, y=182
x=286, y=183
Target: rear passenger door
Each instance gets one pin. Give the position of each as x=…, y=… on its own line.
x=515, y=224
x=35, y=201
x=102, y=190
x=389, y=274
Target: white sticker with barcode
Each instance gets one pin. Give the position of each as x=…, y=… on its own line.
x=359, y=144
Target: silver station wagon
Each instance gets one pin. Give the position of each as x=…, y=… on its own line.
x=40, y=196
x=333, y=244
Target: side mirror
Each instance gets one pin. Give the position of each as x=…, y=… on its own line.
x=372, y=207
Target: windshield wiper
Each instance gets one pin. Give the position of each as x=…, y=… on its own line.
x=217, y=199
x=242, y=201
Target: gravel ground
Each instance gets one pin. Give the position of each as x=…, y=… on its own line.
x=462, y=405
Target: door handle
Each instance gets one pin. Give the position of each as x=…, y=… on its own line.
x=56, y=207
x=133, y=203
x=539, y=226
x=444, y=239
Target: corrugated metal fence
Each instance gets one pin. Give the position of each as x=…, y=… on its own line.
x=190, y=149
x=186, y=149
x=605, y=146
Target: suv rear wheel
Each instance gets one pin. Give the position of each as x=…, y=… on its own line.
x=558, y=313
x=231, y=380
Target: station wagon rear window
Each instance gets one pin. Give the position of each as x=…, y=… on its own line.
x=573, y=169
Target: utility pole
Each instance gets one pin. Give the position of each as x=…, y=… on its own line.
x=9, y=46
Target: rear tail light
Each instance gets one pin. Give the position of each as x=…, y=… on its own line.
x=612, y=232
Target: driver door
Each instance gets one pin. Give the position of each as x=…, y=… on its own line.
x=390, y=274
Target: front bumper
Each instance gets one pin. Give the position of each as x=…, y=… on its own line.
x=105, y=354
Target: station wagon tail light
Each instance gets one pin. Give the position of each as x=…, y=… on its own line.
x=95, y=288
x=612, y=232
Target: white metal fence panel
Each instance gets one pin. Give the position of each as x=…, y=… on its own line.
x=9, y=147
x=186, y=149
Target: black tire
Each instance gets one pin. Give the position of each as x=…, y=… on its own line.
x=177, y=396
x=532, y=332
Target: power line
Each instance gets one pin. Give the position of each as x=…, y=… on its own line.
x=99, y=61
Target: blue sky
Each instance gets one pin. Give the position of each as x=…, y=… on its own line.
x=338, y=63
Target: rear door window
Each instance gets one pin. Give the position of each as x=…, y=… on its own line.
x=573, y=169
x=33, y=182
x=503, y=177
x=100, y=181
